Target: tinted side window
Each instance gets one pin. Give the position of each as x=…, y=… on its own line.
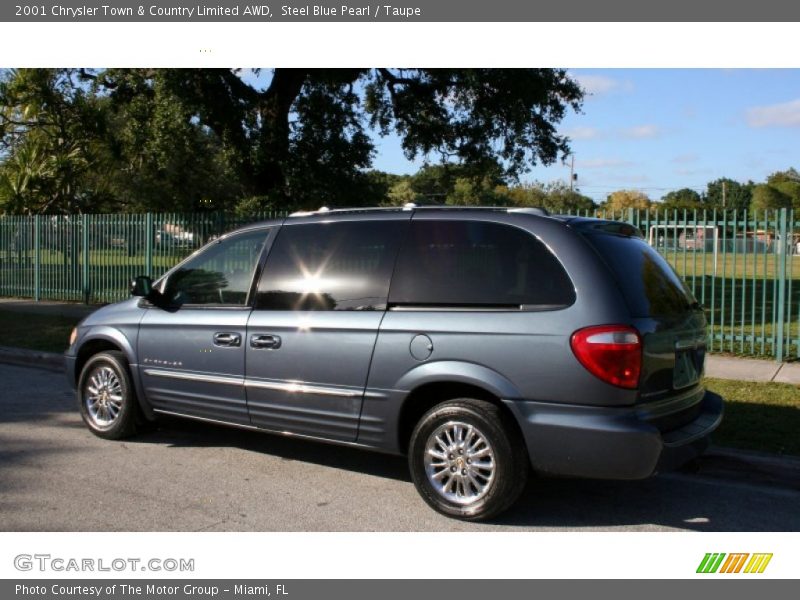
x=222, y=274
x=472, y=263
x=330, y=266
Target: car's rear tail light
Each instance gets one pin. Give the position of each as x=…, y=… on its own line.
x=611, y=352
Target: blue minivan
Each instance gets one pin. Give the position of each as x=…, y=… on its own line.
x=483, y=343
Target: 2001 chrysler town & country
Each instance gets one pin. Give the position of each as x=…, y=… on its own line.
x=479, y=342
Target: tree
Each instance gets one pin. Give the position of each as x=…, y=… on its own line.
x=163, y=159
x=789, y=174
x=48, y=127
x=91, y=154
x=402, y=193
x=436, y=183
x=737, y=195
x=308, y=128
x=555, y=197
x=22, y=178
x=197, y=139
x=561, y=199
x=766, y=197
x=624, y=199
x=683, y=199
x=531, y=194
x=474, y=192
x=791, y=189
x=788, y=183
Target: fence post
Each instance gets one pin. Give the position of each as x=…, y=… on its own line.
x=87, y=293
x=148, y=246
x=37, y=259
x=783, y=247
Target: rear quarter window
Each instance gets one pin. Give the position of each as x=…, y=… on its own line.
x=647, y=281
x=477, y=264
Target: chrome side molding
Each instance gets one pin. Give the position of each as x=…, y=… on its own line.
x=291, y=387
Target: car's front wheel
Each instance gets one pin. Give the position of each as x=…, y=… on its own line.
x=106, y=397
x=467, y=459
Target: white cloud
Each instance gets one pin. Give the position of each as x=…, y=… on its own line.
x=600, y=84
x=583, y=133
x=786, y=114
x=642, y=132
x=602, y=163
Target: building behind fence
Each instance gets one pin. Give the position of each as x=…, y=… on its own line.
x=739, y=266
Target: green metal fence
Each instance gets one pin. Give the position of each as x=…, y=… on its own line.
x=91, y=258
x=740, y=266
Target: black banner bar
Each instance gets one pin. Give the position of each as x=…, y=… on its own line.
x=403, y=11
x=400, y=589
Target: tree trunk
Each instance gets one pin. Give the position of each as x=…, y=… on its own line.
x=273, y=149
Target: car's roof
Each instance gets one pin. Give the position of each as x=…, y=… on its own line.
x=449, y=212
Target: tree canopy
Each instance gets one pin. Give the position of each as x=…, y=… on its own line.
x=134, y=140
x=736, y=196
x=767, y=197
x=683, y=199
x=623, y=199
x=781, y=190
x=194, y=139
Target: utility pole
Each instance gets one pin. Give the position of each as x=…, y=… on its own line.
x=572, y=173
x=724, y=190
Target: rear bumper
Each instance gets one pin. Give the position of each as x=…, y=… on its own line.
x=610, y=443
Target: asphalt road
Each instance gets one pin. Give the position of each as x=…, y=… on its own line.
x=56, y=476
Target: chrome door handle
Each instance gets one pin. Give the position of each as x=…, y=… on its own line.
x=225, y=338
x=272, y=342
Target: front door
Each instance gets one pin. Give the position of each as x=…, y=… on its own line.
x=311, y=335
x=192, y=346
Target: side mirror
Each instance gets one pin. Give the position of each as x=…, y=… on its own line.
x=141, y=286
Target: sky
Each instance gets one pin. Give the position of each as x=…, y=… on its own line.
x=657, y=130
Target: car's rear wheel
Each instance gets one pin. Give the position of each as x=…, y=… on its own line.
x=467, y=459
x=106, y=397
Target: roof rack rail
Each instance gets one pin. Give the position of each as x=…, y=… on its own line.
x=324, y=210
x=531, y=210
x=353, y=210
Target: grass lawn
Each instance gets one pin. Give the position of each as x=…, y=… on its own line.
x=759, y=416
x=35, y=332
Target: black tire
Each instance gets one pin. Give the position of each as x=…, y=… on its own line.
x=98, y=417
x=510, y=474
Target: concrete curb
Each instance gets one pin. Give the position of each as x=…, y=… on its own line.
x=32, y=358
x=73, y=310
x=752, y=369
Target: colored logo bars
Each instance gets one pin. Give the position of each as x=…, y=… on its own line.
x=734, y=563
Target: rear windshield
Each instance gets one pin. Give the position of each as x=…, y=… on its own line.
x=650, y=285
